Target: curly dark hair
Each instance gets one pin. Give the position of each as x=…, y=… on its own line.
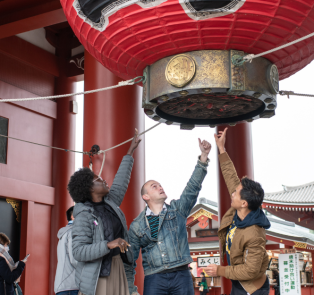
x=80, y=185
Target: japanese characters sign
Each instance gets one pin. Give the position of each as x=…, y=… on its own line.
x=205, y=261
x=289, y=272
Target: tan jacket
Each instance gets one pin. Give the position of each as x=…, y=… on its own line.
x=248, y=257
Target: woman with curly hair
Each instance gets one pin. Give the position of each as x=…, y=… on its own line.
x=100, y=240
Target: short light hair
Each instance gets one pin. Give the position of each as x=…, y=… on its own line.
x=4, y=239
x=143, y=189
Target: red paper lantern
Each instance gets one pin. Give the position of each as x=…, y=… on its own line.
x=127, y=35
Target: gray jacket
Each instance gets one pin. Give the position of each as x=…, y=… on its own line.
x=65, y=274
x=89, y=245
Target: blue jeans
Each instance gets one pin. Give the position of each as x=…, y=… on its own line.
x=172, y=283
x=71, y=292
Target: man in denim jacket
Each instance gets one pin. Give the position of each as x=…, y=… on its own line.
x=160, y=231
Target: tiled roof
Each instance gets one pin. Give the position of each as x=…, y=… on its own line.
x=302, y=194
x=279, y=228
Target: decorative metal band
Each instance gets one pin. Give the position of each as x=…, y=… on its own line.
x=273, y=78
x=237, y=75
x=201, y=212
x=16, y=205
x=300, y=245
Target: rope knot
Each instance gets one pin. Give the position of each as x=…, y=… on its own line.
x=249, y=57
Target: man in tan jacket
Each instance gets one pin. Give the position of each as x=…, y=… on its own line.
x=242, y=231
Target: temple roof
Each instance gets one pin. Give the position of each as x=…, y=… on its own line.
x=281, y=229
x=302, y=194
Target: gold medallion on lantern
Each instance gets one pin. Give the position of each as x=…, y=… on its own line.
x=180, y=70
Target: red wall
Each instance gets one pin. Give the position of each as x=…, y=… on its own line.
x=27, y=176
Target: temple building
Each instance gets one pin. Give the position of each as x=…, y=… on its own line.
x=282, y=237
x=293, y=203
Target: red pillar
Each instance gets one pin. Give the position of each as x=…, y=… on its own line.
x=63, y=162
x=110, y=118
x=239, y=148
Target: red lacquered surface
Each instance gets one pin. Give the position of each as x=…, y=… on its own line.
x=136, y=37
x=239, y=148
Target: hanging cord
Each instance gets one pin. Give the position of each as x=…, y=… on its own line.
x=120, y=84
x=104, y=151
x=248, y=58
x=73, y=151
x=49, y=146
x=288, y=93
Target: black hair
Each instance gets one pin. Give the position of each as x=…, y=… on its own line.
x=202, y=273
x=69, y=213
x=252, y=192
x=80, y=185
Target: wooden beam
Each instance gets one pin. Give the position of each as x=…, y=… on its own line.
x=207, y=239
x=46, y=108
x=29, y=54
x=27, y=191
x=40, y=16
x=273, y=247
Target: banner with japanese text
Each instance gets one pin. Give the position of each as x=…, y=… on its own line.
x=289, y=273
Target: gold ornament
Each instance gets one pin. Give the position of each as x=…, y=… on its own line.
x=16, y=205
x=180, y=70
x=300, y=245
x=201, y=212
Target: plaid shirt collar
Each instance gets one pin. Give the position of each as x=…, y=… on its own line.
x=150, y=212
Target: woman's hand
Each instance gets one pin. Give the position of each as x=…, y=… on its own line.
x=134, y=144
x=122, y=244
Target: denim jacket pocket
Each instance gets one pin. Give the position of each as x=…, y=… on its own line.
x=147, y=255
x=170, y=220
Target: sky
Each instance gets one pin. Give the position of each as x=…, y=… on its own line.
x=283, y=146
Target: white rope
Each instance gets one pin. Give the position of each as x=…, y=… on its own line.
x=120, y=84
x=73, y=151
x=49, y=146
x=250, y=57
x=288, y=93
x=104, y=151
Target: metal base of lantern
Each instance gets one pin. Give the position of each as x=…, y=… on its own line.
x=206, y=88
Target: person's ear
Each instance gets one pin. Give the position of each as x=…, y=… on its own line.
x=146, y=198
x=245, y=204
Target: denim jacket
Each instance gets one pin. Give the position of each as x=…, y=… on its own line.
x=171, y=248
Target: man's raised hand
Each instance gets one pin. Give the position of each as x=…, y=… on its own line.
x=220, y=139
x=134, y=144
x=205, y=148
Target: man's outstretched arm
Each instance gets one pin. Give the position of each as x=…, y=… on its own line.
x=227, y=168
x=191, y=191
